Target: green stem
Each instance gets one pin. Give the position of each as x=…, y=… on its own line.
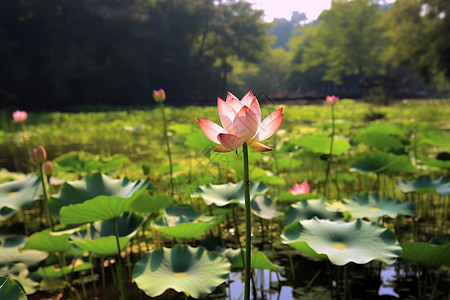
x=46, y=195
x=248, y=225
x=168, y=147
x=331, y=152
x=119, y=262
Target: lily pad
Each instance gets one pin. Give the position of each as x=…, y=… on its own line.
x=373, y=207
x=184, y=222
x=358, y=241
x=320, y=144
x=264, y=207
x=426, y=254
x=224, y=194
x=11, y=290
x=10, y=254
x=84, y=163
x=259, y=260
x=193, y=271
x=308, y=209
x=383, y=162
x=379, y=140
x=425, y=184
x=383, y=127
x=96, y=185
x=20, y=272
x=99, y=237
x=15, y=195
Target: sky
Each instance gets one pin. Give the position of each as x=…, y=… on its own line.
x=284, y=8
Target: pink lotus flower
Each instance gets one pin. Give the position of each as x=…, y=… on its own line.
x=19, y=116
x=241, y=121
x=297, y=189
x=159, y=95
x=332, y=100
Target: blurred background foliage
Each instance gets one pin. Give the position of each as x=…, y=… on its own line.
x=62, y=53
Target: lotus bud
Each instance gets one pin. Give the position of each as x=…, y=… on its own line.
x=38, y=155
x=48, y=168
x=159, y=95
x=332, y=100
x=19, y=116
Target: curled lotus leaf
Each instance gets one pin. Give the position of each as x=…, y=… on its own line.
x=20, y=272
x=259, y=259
x=225, y=194
x=184, y=222
x=264, y=207
x=342, y=242
x=96, y=185
x=434, y=162
x=373, y=207
x=194, y=271
x=383, y=162
x=15, y=195
x=425, y=184
x=308, y=209
x=320, y=144
x=9, y=251
x=9, y=289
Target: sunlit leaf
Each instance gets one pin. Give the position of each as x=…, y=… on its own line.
x=9, y=251
x=383, y=162
x=425, y=184
x=11, y=290
x=20, y=272
x=321, y=144
x=426, y=254
x=264, y=207
x=308, y=209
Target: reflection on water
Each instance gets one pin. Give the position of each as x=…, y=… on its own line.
x=387, y=285
x=269, y=286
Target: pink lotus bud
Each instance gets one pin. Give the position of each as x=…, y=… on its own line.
x=332, y=100
x=48, y=168
x=38, y=155
x=159, y=95
x=19, y=116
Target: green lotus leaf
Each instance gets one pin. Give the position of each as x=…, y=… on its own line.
x=434, y=162
x=379, y=140
x=259, y=260
x=11, y=290
x=287, y=196
x=435, y=139
x=264, y=207
x=54, y=272
x=224, y=194
x=49, y=241
x=265, y=176
x=234, y=161
x=76, y=192
x=286, y=163
x=151, y=204
x=199, y=141
x=15, y=195
x=184, y=222
x=308, y=209
x=426, y=254
x=9, y=251
x=84, y=163
x=382, y=162
x=358, y=241
x=193, y=271
x=425, y=184
x=383, y=127
x=373, y=207
x=20, y=272
x=99, y=237
x=320, y=144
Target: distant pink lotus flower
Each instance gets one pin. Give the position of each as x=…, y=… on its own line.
x=241, y=121
x=19, y=116
x=297, y=189
x=159, y=95
x=332, y=100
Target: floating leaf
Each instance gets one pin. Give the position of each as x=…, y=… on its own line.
x=193, y=271
x=224, y=194
x=75, y=192
x=382, y=162
x=373, y=207
x=426, y=254
x=358, y=241
x=425, y=184
x=379, y=140
x=84, y=163
x=308, y=209
x=264, y=207
x=11, y=290
x=184, y=222
x=15, y=195
x=9, y=251
x=321, y=144
x=387, y=128
x=435, y=139
x=199, y=141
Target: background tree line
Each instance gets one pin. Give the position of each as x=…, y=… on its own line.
x=61, y=53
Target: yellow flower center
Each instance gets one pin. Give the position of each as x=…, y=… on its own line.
x=12, y=194
x=339, y=246
x=179, y=275
x=374, y=209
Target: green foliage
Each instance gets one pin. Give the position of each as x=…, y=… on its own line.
x=9, y=289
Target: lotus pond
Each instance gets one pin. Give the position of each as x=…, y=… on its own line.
x=119, y=218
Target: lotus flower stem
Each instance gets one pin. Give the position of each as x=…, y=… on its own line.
x=119, y=262
x=248, y=226
x=46, y=195
x=330, y=156
x=168, y=146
